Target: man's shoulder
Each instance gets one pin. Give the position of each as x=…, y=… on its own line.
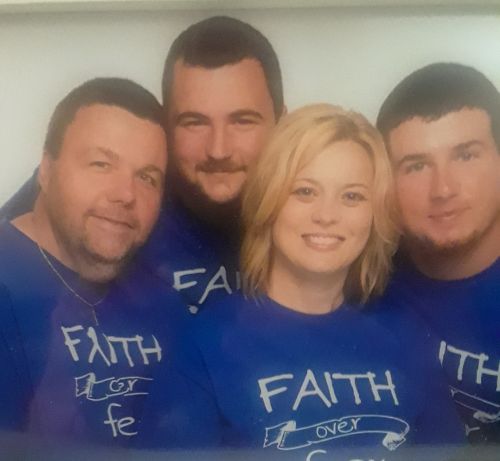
x=9, y=236
x=23, y=199
x=406, y=275
x=408, y=282
x=19, y=257
x=453, y=308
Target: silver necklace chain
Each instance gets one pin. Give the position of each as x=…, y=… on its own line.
x=69, y=287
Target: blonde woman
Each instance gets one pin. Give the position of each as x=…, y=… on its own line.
x=294, y=367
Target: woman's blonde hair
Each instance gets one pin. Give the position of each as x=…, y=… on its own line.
x=296, y=140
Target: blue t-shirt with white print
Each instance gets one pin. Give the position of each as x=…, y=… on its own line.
x=465, y=317
x=200, y=262
x=89, y=369
x=256, y=376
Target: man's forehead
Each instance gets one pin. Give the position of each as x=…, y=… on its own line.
x=114, y=132
x=424, y=135
x=228, y=88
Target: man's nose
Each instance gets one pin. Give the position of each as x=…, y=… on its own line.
x=218, y=146
x=122, y=188
x=443, y=183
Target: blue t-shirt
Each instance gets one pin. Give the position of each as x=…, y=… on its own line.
x=89, y=370
x=465, y=317
x=258, y=376
x=15, y=385
x=198, y=261
x=22, y=201
x=195, y=259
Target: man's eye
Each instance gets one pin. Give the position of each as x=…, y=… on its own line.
x=100, y=165
x=245, y=121
x=414, y=167
x=192, y=123
x=465, y=156
x=148, y=179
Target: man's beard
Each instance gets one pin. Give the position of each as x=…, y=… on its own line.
x=87, y=262
x=225, y=216
x=95, y=267
x=448, y=248
x=427, y=245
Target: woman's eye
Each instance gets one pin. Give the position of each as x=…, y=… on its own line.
x=354, y=197
x=303, y=191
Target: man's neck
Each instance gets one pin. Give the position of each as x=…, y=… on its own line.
x=460, y=263
x=223, y=218
x=37, y=227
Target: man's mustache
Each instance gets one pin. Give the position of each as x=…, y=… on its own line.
x=226, y=165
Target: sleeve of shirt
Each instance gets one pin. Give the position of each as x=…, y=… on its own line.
x=181, y=410
x=15, y=389
x=23, y=200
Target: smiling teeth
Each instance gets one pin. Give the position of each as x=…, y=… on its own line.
x=322, y=240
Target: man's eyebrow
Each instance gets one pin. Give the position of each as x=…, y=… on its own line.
x=419, y=157
x=246, y=113
x=152, y=169
x=107, y=152
x=190, y=115
x=467, y=144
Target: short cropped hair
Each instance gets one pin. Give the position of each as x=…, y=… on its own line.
x=221, y=40
x=436, y=90
x=117, y=92
x=298, y=138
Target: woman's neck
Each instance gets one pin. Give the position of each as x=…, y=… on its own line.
x=308, y=293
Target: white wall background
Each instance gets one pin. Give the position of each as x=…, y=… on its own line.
x=351, y=57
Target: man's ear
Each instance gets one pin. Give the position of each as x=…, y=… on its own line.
x=283, y=112
x=45, y=171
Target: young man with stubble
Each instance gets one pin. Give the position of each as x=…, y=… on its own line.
x=442, y=128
